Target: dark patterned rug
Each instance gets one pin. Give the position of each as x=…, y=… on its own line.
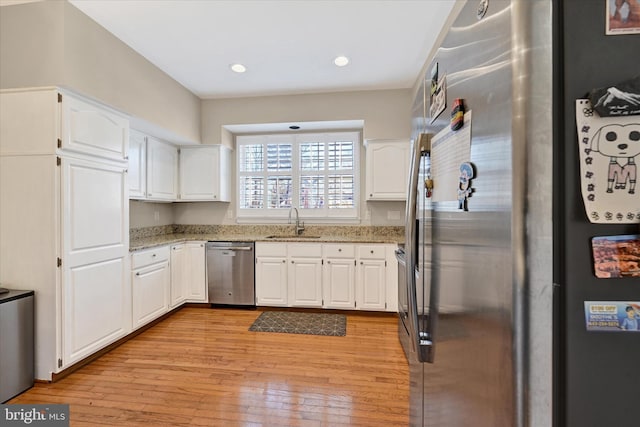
x=301, y=323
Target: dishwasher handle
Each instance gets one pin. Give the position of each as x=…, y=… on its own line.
x=230, y=248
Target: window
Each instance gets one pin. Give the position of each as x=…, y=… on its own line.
x=316, y=173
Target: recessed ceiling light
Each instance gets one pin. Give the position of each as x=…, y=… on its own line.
x=341, y=61
x=238, y=68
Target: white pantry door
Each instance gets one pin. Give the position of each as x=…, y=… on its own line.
x=96, y=295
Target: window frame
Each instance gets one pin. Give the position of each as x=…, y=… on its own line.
x=324, y=215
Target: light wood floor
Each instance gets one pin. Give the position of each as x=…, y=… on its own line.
x=203, y=367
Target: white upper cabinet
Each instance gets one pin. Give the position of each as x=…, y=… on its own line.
x=205, y=173
x=162, y=170
x=387, y=169
x=137, y=165
x=92, y=129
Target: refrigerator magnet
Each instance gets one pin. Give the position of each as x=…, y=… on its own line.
x=612, y=316
x=616, y=256
x=467, y=173
x=457, y=114
x=438, y=99
x=608, y=148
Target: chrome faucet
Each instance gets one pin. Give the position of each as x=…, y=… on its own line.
x=299, y=228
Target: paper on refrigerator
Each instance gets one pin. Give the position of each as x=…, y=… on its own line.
x=449, y=149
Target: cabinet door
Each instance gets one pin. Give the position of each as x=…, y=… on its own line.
x=199, y=173
x=196, y=286
x=95, y=211
x=150, y=293
x=162, y=170
x=305, y=282
x=93, y=129
x=95, y=228
x=387, y=170
x=371, y=285
x=271, y=281
x=179, y=275
x=339, y=283
x=96, y=307
x=137, y=175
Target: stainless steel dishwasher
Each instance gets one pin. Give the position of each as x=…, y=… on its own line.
x=230, y=273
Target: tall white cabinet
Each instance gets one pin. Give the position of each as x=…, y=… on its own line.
x=64, y=220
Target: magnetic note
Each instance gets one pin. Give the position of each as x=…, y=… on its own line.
x=609, y=149
x=612, y=316
x=616, y=256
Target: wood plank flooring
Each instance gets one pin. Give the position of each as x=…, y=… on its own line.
x=202, y=367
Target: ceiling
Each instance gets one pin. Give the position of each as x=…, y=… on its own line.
x=288, y=46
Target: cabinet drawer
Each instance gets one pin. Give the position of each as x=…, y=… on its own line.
x=149, y=256
x=305, y=250
x=271, y=249
x=372, y=252
x=339, y=251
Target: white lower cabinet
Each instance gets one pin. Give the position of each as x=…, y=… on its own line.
x=179, y=274
x=196, y=280
x=371, y=283
x=150, y=281
x=338, y=283
x=271, y=274
x=330, y=275
x=371, y=277
x=305, y=282
x=188, y=275
x=339, y=275
x=271, y=282
x=96, y=299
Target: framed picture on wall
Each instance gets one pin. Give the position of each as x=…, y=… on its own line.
x=623, y=17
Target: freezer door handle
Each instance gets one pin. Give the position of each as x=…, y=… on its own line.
x=421, y=346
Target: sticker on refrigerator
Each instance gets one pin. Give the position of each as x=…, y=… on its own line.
x=609, y=148
x=616, y=256
x=612, y=316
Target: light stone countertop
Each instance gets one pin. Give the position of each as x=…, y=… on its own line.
x=139, y=241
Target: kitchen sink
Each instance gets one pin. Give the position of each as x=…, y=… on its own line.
x=290, y=237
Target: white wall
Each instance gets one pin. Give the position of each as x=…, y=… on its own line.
x=144, y=214
x=386, y=114
x=52, y=43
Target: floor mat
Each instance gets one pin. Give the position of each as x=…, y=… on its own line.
x=301, y=323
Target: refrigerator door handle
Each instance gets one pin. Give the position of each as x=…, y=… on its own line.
x=420, y=342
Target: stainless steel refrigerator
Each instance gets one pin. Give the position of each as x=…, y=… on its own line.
x=464, y=317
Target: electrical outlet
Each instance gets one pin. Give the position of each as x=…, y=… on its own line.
x=156, y=216
x=230, y=214
x=367, y=214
